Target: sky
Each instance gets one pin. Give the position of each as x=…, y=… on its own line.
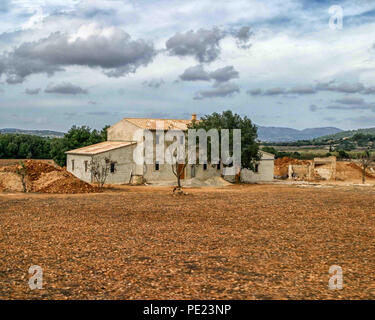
x=286, y=63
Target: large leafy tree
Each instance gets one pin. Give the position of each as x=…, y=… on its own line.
x=76, y=137
x=21, y=146
x=228, y=120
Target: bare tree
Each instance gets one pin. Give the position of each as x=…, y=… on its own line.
x=178, y=170
x=100, y=170
x=366, y=159
x=179, y=160
x=22, y=172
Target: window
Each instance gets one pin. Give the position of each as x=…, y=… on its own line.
x=72, y=165
x=182, y=139
x=112, y=167
x=157, y=139
x=86, y=165
x=218, y=166
x=205, y=166
x=256, y=168
x=156, y=166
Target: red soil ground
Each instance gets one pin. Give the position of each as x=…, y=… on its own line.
x=239, y=242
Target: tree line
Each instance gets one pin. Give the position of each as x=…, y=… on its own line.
x=22, y=146
x=358, y=140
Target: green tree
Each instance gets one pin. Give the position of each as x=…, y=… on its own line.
x=76, y=137
x=30, y=146
x=270, y=150
x=103, y=133
x=24, y=150
x=12, y=150
x=228, y=120
x=343, y=154
x=58, y=149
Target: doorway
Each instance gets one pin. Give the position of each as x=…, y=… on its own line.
x=181, y=169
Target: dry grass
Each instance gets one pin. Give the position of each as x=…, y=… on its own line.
x=242, y=242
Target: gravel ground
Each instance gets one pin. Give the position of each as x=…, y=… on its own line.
x=239, y=242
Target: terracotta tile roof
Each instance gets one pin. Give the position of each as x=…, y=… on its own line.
x=166, y=124
x=100, y=147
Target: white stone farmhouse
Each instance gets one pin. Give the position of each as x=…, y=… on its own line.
x=120, y=146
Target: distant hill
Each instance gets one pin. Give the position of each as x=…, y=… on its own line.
x=280, y=134
x=347, y=134
x=265, y=134
x=40, y=133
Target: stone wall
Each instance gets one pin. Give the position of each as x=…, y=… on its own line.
x=123, y=165
x=265, y=172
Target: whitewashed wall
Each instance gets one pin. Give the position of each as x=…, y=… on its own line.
x=79, y=166
x=124, y=165
x=265, y=172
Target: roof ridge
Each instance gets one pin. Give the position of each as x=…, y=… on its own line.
x=93, y=148
x=158, y=119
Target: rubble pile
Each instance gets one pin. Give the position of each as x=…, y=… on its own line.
x=44, y=178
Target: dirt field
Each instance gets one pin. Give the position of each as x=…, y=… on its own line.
x=239, y=242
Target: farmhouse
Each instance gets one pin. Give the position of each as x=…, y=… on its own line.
x=120, y=146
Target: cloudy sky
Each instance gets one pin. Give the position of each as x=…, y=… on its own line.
x=284, y=63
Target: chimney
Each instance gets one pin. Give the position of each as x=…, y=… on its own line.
x=194, y=117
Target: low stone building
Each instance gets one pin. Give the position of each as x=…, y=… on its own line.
x=119, y=153
x=264, y=170
x=316, y=169
x=119, y=148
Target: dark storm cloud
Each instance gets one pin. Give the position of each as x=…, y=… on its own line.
x=254, y=92
x=224, y=74
x=219, y=90
x=369, y=90
x=344, y=87
x=196, y=73
x=65, y=88
x=274, y=91
x=221, y=77
x=32, y=91
x=351, y=101
x=278, y=91
x=153, y=83
x=116, y=54
x=242, y=37
x=202, y=44
x=303, y=90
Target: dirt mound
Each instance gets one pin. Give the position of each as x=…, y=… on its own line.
x=43, y=177
x=10, y=181
x=282, y=165
x=217, y=182
x=351, y=171
x=210, y=182
x=36, y=168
